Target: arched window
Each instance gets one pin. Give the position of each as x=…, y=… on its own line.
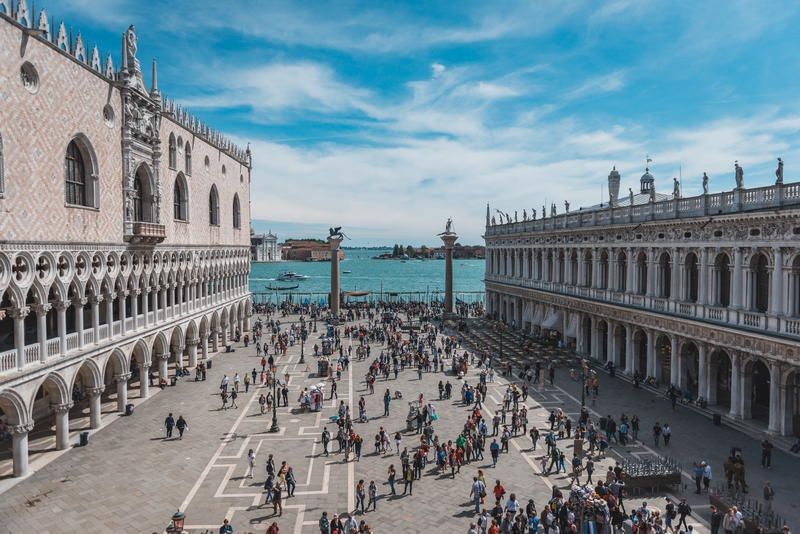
x=188, y=159
x=80, y=182
x=173, y=152
x=180, y=199
x=213, y=206
x=237, y=220
x=2, y=171
x=142, y=196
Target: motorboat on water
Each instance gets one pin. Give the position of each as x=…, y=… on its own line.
x=290, y=276
x=346, y=272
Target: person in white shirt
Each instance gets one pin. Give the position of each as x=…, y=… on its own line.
x=512, y=505
x=224, y=384
x=706, y=475
x=236, y=382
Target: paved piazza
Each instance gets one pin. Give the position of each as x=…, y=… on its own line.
x=131, y=479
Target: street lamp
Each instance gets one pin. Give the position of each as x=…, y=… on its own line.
x=302, y=342
x=178, y=521
x=275, y=428
x=584, y=376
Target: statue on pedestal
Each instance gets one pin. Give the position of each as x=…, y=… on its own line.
x=566, y=206
x=630, y=196
x=533, y=214
x=448, y=227
x=652, y=192
x=779, y=173
x=676, y=188
x=515, y=216
x=553, y=209
x=739, y=176
x=705, y=184
x=524, y=215
x=544, y=213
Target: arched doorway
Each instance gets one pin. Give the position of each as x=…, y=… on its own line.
x=620, y=342
x=663, y=359
x=601, y=351
x=759, y=390
x=719, y=379
x=790, y=404
x=690, y=368
x=640, y=350
x=759, y=288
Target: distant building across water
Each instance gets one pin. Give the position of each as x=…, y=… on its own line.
x=264, y=247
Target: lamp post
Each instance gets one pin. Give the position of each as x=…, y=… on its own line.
x=302, y=342
x=178, y=521
x=584, y=376
x=274, y=428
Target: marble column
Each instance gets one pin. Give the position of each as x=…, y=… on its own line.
x=123, y=314
x=135, y=308
x=449, y=239
x=675, y=363
x=203, y=346
x=736, y=387
x=145, y=306
x=675, y=292
x=19, y=315
x=62, y=425
x=702, y=371
x=19, y=447
x=630, y=276
x=335, y=288
x=109, y=299
x=163, y=369
x=79, y=305
x=651, y=272
x=776, y=301
x=702, y=282
x=96, y=300
x=95, y=406
x=144, y=381
x=41, y=328
x=61, y=310
x=737, y=279
x=177, y=353
x=122, y=390
x=652, y=368
x=192, y=345
x=629, y=359
x=775, y=414
x=215, y=339
x=611, y=342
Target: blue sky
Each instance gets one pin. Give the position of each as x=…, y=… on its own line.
x=386, y=118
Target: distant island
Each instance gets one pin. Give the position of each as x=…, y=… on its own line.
x=399, y=252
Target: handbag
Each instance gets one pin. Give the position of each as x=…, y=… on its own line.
x=483, y=493
x=434, y=417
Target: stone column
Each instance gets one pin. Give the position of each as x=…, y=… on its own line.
x=335, y=289
x=215, y=339
x=449, y=240
x=95, y=406
x=122, y=296
x=610, y=343
x=652, y=368
x=675, y=368
x=109, y=298
x=702, y=371
x=594, y=349
x=651, y=272
x=144, y=381
x=595, y=268
x=630, y=277
x=736, y=388
x=41, y=328
x=135, y=308
x=96, y=300
x=62, y=425
x=702, y=283
x=745, y=389
x=154, y=293
x=192, y=344
x=203, y=346
x=122, y=390
x=775, y=388
x=19, y=447
x=776, y=300
x=163, y=305
x=177, y=352
x=163, y=370
x=145, y=306
x=711, y=371
x=78, y=304
x=19, y=315
x=629, y=359
x=737, y=279
x=675, y=292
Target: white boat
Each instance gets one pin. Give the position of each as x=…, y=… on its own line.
x=290, y=276
x=346, y=272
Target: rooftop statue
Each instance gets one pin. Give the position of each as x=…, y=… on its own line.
x=739, y=176
x=566, y=206
x=448, y=227
x=524, y=215
x=779, y=173
x=630, y=196
x=515, y=216
x=653, y=192
x=705, y=184
x=676, y=188
x=533, y=214
x=130, y=37
x=544, y=212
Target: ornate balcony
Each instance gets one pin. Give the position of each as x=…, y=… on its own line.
x=149, y=233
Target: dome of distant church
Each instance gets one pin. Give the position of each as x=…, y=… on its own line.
x=647, y=180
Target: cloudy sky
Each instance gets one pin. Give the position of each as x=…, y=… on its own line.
x=386, y=118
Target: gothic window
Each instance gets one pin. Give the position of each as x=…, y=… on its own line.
x=213, y=206
x=80, y=183
x=188, y=159
x=237, y=220
x=180, y=200
x=142, y=197
x=2, y=170
x=173, y=152
x=138, y=212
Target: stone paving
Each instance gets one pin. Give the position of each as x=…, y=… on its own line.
x=131, y=479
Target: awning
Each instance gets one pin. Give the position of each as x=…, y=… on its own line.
x=554, y=322
x=572, y=327
x=537, y=316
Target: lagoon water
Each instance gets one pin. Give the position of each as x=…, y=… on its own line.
x=425, y=278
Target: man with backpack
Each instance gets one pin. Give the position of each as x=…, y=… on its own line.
x=326, y=438
x=683, y=510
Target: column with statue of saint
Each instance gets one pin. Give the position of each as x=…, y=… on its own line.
x=449, y=238
x=335, y=239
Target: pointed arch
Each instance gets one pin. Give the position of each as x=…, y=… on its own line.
x=213, y=206
x=237, y=218
x=80, y=173
x=180, y=198
x=173, y=152
x=188, y=159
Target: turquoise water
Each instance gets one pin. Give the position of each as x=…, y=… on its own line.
x=425, y=278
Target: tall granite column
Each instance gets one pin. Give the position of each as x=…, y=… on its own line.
x=449, y=239
x=335, y=242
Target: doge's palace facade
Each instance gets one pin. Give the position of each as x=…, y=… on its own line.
x=124, y=230
x=701, y=292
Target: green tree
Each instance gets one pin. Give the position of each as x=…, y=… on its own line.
x=395, y=252
x=423, y=251
x=410, y=251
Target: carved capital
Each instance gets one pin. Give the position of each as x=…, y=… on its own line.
x=162, y=355
x=61, y=408
x=20, y=313
x=96, y=299
x=178, y=349
x=41, y=309
x=123, y=294
x=192, y=342
x=94, y=392
x=63, y=305
x=135, y=292
x=122, y=377
x=16, y=430
x=110, y=296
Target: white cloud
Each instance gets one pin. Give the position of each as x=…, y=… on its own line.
x=608, y=83
x=438, y=69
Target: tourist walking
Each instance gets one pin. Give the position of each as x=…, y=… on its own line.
x=251, y=460
x=477, y=492
x=766, y=454
x=181, y=426
x=224, y=396
x=233, y=399
x=226, y=528
x=373, y=496
x=224, y=384
x=169, y=423
x=392, y=473
x=277, y=505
